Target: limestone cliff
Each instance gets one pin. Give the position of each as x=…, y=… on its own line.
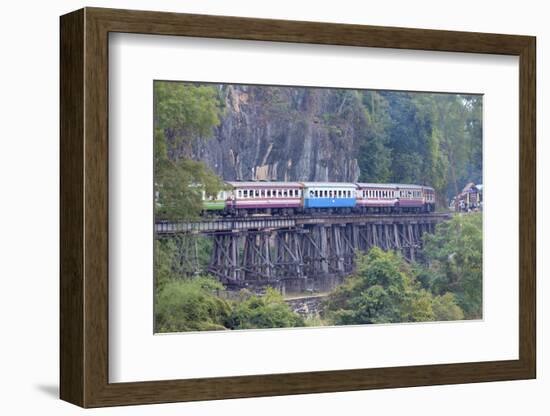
x=285, y=134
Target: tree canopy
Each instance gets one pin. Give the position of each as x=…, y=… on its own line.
x=384, y=289
x=455, y=261
x=425, y=138
x=183, y=113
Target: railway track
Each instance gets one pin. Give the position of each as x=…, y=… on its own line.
x=260, y=222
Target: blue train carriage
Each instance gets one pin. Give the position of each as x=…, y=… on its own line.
x=329, y=196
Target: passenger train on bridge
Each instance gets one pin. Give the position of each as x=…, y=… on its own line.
x=288, y=198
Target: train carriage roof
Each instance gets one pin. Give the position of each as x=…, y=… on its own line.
x=262, y=184
x=362, y=185
x=329, y=185
x=376, y=185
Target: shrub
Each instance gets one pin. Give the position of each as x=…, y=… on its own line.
x=190, y=305
x=268, y=311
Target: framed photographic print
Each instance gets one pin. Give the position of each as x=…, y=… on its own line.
x=261, y=207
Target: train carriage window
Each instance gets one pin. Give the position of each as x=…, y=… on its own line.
x=245, y=193
x=312, y=193
x=239, y=193
x=285, y=193
x=256, y=193
x=269, y=193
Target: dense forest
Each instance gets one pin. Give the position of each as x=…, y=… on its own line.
x=205, y=134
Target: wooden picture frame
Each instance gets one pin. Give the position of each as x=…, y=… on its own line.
x=84, y=207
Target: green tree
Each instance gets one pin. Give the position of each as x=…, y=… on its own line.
x=425, y=138
x=183, y=113
x=267, y=311
x=381, y=290
x=190, y=305
x=446, y=308
x=454, y=254
x=374, y=156
x=165, y=251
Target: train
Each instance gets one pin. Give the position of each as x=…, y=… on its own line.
x=245, y=198
x=470, y=199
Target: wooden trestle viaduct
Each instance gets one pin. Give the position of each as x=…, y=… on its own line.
x=293, y=253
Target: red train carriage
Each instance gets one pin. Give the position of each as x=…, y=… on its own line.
x=429, y=198
x=376, y=197
x=410, y=197
x=265, y=197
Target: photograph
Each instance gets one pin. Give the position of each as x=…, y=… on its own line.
x=298, y=206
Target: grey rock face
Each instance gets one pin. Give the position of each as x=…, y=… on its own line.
x=284, y=134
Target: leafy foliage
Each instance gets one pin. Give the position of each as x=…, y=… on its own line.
x=432, y=139
x=445, y=308
x=381, y=290
x=165, y=253
x=190, y=305
x=201, y=303
x=183, y=113
x=384, y=289
x=179, y=185
x=267, y=311
x=455, y=254
x=188, y=111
